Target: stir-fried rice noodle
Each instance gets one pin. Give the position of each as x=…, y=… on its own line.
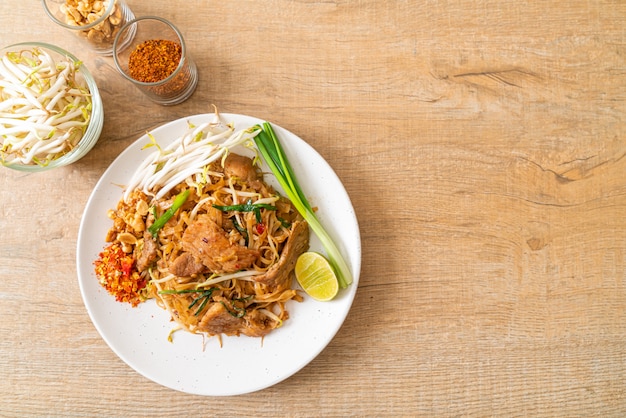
x=217, y=270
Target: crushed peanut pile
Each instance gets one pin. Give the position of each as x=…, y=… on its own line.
x=86, y=12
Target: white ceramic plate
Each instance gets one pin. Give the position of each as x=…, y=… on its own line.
x=243, y=364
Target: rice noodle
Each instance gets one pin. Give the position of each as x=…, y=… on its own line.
x=254, y=307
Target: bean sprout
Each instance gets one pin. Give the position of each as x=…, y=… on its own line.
x=187, y=155
x=44, y=107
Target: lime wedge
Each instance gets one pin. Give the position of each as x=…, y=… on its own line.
x=316, y=276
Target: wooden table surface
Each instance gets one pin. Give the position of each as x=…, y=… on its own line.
x=483, y=146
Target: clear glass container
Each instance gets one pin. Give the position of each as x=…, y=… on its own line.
x=97, y=23
x=156, y=61
x=95, y=122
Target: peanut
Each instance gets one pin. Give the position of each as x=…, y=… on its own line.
x=86, y=12
x=127, y=238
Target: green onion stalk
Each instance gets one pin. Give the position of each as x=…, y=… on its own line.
x=274, y=155
x=179, y=200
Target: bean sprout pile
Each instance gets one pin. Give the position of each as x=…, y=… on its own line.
x=45, y=107
x=189, y=155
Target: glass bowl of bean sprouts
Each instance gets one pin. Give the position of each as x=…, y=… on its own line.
x=51, y=112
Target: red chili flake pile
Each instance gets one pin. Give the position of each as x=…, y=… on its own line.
x=117, y=274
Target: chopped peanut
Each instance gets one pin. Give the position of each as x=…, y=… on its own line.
x=87, y=12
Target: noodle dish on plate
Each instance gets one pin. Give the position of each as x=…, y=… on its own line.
x=191, y=230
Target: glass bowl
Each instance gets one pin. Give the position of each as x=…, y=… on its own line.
x=9, y=103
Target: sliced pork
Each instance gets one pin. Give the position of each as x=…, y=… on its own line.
x=279, y=274
x=208, y=242
x=217, y=320
x=186, y=265
x=148, y=254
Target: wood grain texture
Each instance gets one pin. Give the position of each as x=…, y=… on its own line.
x=483, y=146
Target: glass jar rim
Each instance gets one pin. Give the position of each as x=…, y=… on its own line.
x=126, y=27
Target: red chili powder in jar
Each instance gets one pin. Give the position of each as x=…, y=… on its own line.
x=154, y=60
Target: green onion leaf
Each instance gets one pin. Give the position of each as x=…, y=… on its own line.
x=204, y=302
x=204, y=297
x=275, y=157
x=237, y=312
x=243, y=231
x=247, y=207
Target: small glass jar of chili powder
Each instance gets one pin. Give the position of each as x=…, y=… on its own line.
x=156, y=61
